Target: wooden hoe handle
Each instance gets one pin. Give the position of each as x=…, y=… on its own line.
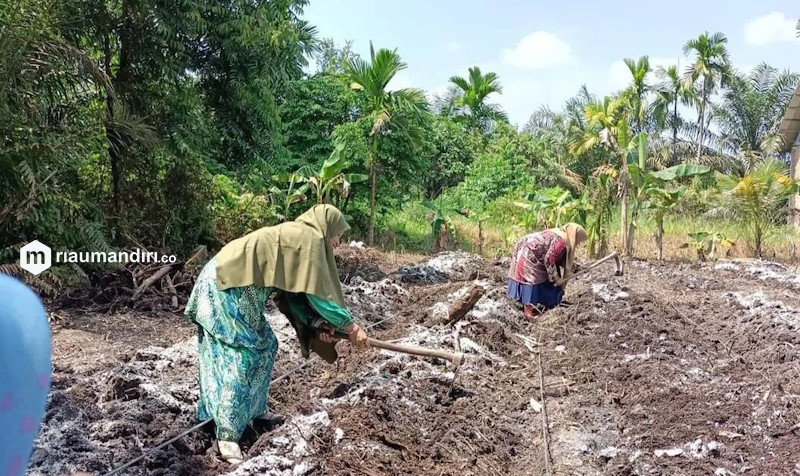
x=455, y=357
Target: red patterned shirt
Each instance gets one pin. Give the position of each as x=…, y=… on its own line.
x=537, y=257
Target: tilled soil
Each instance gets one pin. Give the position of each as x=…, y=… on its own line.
x=670, y=369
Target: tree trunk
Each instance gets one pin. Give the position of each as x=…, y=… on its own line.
x=373, y=186
x=632, y=229
x=113, y=143
x=757, y=230
x=660, y=238
x=623, y=219
x=347, y=199
x=701, y=122
x=480, y=237
x=675, y=131
x=373, y=173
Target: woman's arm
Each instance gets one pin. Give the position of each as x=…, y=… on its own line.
x=340, y=318
x=556, y=252
x=337, y=316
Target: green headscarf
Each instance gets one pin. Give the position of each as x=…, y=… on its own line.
x=295, y=256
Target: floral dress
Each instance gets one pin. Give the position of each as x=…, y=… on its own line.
x=534, y=269
x=237, y=349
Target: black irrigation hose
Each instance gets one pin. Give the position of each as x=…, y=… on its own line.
x=206, y=422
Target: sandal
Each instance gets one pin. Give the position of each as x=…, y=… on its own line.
x=230, y=452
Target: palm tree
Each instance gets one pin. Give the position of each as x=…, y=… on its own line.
x=756, y=200
x=637, y=91
x=671, y=91
x=607, y=125
x=750, y=114
x=710, y=68
x=390, y=112
x=472, y=98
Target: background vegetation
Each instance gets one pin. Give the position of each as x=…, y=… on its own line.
x=174, y=124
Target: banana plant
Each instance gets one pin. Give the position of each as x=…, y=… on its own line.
x=549, y=207
x=650, y=190
x=596, y=208
x=706, y=243
x=661, y=202
x=331, y=179
x=295, y=192
x=441, y=219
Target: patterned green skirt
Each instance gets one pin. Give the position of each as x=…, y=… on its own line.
x=237, y=351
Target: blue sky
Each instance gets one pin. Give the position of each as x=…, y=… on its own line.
x=544, y=51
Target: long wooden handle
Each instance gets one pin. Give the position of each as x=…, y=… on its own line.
x=454, y=357
x=599, y=262
x=594, y=265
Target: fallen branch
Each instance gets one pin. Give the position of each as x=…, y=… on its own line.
x=154, y=278
x=173, y=292
x=462, y=306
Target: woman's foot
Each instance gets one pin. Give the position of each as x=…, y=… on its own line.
x=271, y=418
x=230, y=452
x=532, y=312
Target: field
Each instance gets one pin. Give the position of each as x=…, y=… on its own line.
x=670, y=369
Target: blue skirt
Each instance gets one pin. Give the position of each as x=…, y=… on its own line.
x=546, y=294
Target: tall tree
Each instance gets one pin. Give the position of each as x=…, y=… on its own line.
x=332, y=59
x=750, y=114
x=471, y=99
x=670, y=92
x=402, y=111
x=710, y=69
x=607, y=126
x=637, y=91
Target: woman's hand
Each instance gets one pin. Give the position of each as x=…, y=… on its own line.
x=357, y=336
x=326, y=334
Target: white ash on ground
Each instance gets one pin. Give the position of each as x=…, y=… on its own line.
x=288, y=450
x=447, y=266
x=759, y=304
x=607, y=293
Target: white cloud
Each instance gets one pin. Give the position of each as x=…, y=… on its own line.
x=619, y=76
x=773, y=27
x=538, y=50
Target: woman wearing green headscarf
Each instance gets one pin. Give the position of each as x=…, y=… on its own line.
x=237, y=347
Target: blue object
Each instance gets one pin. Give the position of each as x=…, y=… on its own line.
x=25, y=371
x=546, y=294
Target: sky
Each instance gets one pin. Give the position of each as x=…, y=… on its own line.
x=544, y=51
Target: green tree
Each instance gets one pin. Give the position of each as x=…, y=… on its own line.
x=750, y=114
x=390, y=112
x=636, y=93
x=710, y=69
x=607, y=126
x=311, y=110
x=670, y=92
x=756, y=200
x=449, y=152
x=471, y=99
x=332, y=59
x=248, y=53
